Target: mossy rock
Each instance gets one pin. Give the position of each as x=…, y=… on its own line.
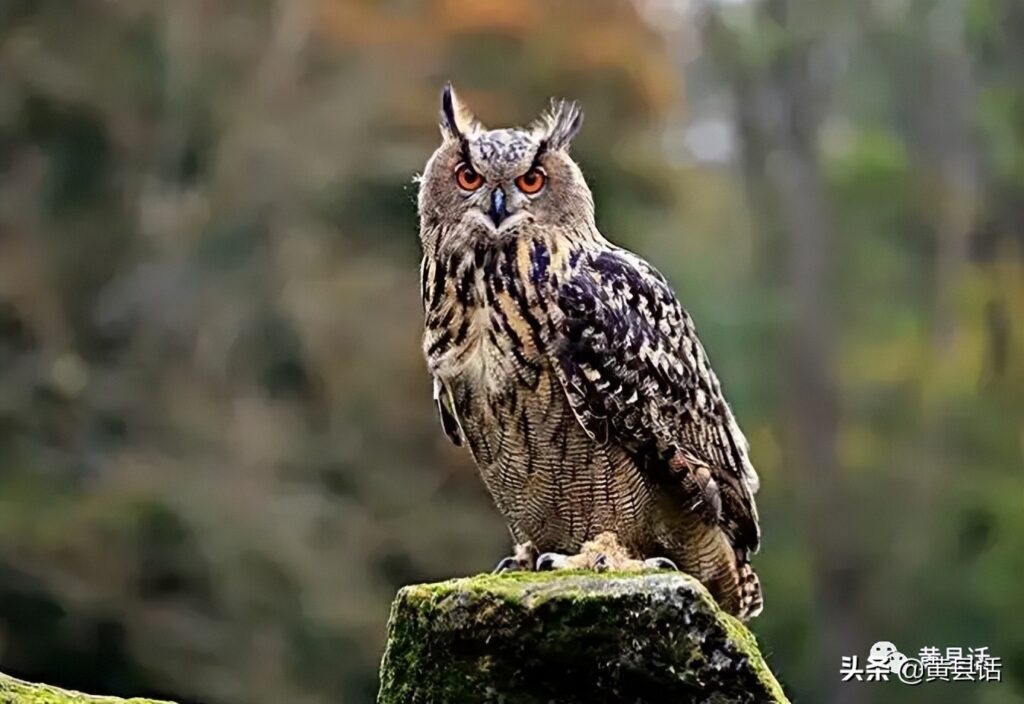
x=526, y=638
x=14, y=691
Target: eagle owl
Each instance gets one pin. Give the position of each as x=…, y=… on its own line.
x=570, y=371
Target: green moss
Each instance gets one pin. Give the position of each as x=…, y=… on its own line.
x=14, y=691
x=568, y=637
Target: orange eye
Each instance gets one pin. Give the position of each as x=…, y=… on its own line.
x=531, y=182
x=468, y=179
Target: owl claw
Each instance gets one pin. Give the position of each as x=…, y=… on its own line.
x=602, y=554
x=551, y=561
x=522, y=560
x=507, y=564
x=661, y=563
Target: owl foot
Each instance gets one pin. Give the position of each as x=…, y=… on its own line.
x=552, y=561
x=522, y=560
x=600, y=562
x=660, y=563
x=602, y=554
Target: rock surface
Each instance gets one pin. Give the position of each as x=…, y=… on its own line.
x=14, y=691
x=526, y=638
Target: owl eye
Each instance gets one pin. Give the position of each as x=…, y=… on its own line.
x=468, y=179
x=532, y=181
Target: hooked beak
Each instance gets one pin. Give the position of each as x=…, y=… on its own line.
x=497, y=211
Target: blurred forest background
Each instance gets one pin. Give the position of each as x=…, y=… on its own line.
x=218, y=454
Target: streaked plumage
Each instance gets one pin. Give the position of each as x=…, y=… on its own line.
x=568, y=367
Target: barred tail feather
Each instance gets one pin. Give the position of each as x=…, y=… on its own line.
x=751, y=599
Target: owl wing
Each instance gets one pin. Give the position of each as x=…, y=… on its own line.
x=636, y=374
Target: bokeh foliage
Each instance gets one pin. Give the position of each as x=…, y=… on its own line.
x=218, y=454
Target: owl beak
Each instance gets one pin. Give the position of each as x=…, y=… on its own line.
x=497, y=211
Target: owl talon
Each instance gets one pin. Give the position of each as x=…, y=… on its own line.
x=522, y=560
x=661, y=563
x=551, y=561
x=507, y=564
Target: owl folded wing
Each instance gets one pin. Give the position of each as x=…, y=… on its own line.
x=636, y=374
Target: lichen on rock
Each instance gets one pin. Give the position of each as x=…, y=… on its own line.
x=565, y=637
x=15, y=691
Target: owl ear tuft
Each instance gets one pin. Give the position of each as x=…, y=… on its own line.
x=560, y=123
x=456, y=119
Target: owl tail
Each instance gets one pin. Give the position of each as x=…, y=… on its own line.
x=751, y=600
x=731, y=580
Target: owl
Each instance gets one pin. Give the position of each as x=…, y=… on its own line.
x=569, y=370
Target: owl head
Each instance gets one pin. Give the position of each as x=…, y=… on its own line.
x=482, y=183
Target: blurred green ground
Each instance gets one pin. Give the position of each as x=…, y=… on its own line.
x=218, y=454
